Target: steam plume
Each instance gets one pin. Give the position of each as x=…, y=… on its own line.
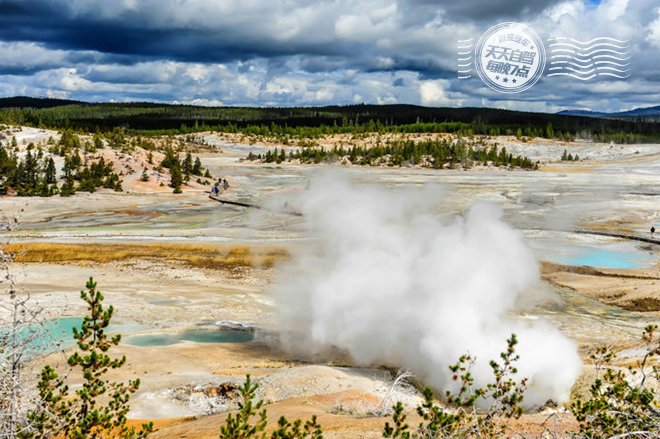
x=389, y=281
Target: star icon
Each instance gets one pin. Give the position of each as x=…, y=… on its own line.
x=506, y=80
x=497, y=77
x=514, y=81
x=531, y=47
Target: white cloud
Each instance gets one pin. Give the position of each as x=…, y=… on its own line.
x=432, y=94
x=570, y=8
x=201, y=102
x=369, y=26
x=27, y=55
x=653, y=31
x=613, y=9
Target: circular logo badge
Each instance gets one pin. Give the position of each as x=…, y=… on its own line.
x=510, y=57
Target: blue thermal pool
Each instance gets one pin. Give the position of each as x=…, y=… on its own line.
x=593, y=257
x=56, y=334
x=196, y=335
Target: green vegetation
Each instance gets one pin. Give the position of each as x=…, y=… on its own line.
x=32, y=175
x=82, y=415
x=621, y=403
x=503, y=396
x=90, y=177
x=433, y=153
x=312, y=122
x=181, y=170
x=241, y=426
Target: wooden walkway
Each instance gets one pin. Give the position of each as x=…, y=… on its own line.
x=254, y=206
x=619, y=235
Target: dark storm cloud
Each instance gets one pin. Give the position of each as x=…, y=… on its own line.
x=476, y=10
x=126, y=34
x=130, y=32
x=275, y=52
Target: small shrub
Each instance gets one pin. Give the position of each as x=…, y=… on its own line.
x=504, y=395
x=242, y=426
x=621, y=404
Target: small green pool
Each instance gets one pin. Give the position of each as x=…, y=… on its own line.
x=55, y=334
x=195, y=335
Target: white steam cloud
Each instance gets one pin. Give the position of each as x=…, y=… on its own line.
x=389, y=281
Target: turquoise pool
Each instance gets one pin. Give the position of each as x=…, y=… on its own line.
x=594, y=257
x=56, y=334
x=47, y=337
x=195, y=335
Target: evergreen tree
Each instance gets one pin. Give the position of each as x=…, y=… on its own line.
x=197, y=167
x=82, y=415
x=241, y=426
x=68, y=188
x=176, y=179
x=51, y=173
x=549, y=132
x=98, y=141
x=187, y=166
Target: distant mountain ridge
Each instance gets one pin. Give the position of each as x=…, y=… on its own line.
x=652, y=112
x=29, y=102
x=166, y=118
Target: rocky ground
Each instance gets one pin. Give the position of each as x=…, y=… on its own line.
x=614, y=190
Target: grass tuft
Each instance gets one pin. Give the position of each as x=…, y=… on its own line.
x=201, y=256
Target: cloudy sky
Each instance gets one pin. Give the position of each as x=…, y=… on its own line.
x=302, y=52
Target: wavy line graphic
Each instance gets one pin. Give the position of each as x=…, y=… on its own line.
x=570, y=62
x=465, y=58
x=583, y=71
x=610, y=56
x=581, y=52
x=573, y=76
x=559, y=59
x=572, y=69
x=589, y=77
x=587, y=48
x=616, y=76
x=573, y=40
x=613, y=63
x=585, y=60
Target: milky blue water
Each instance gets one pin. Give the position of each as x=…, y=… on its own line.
x=56, y=334
x=196, y=335
x=593, y=257
x=46, y=337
